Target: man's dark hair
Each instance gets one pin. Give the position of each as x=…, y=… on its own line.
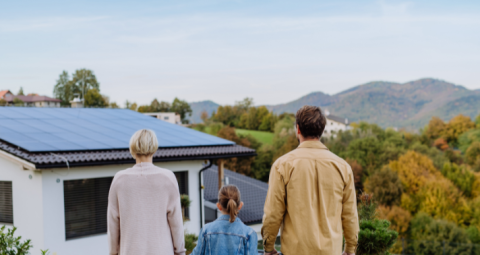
x=310, y=121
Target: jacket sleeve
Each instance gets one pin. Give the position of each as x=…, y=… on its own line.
x=200, y=248
x=274, y=209
x=175, y=219
x=252, y=248
x=113, y=221
x=349, y=214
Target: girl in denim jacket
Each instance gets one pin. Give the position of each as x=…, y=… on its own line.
x=227, y=235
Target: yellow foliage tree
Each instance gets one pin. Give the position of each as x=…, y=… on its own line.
x=457, y=126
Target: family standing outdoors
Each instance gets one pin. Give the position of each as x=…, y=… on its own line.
x=311, y=200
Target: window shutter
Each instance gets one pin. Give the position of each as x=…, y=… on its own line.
x=6, y=202
x=86, y=203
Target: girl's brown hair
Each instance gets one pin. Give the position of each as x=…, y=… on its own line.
x=229, y=199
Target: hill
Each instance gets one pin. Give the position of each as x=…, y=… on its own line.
x=389, y=104
x=199, y=107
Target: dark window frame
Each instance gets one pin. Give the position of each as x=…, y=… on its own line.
x=85, y=206
x=6, y=202
x=182, y=180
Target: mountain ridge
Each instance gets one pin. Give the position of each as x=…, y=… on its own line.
x=391, y=104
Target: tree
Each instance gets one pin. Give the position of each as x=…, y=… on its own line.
x=3, y=102
x=65, y=89
x=386, y=186
x=162, y=106
x=357, y=170
x=114, y=105
x=245, y=104
x=375, y=236
x=93, y=98
x=456, y=127
x=18, y=102
x=435, y=128
x=240, y=165
x=366, y=152
x=398, y=217
x=84, y=80
x=20, y=92
x=432, y=236
x=204, y=116
x=182, y=108
x=477, y=121
x=472, y=155
x=462, y=177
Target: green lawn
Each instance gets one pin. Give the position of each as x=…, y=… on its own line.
x=261, y=136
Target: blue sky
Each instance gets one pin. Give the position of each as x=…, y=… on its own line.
x=273, y=51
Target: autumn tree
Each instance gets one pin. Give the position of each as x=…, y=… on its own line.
x=357, y=170
x=386, y=186
x=456, y=127
x=241, y=165
x=462, y=177
x=435, y=128
x=472, y=156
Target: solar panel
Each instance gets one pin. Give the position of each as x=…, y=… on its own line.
x=73, y=129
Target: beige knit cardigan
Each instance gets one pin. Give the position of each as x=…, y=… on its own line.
x=144, y=212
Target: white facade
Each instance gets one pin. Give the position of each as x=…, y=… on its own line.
x=170, y=117
x=38, y=203
x=335, y=124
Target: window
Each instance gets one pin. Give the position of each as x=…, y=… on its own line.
x=165, y=118
x=6, y=203
x=86, y=203
x=210, y=214
x=182, y=179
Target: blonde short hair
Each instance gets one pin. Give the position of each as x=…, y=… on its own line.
x=144, y=142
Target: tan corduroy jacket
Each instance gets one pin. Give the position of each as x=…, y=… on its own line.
x=311, y=194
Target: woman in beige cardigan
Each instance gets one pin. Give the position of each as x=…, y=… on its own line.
x=144, y=212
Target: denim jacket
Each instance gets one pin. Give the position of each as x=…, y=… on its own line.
x=224, y=238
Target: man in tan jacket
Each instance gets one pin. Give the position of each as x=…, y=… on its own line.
x=311, y=194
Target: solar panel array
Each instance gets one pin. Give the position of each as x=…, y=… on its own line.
x=80, y=129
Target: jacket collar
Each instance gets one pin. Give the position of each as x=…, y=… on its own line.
x=313, y=144
x=227, y=217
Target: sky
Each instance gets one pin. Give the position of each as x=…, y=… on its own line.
x=224, y=51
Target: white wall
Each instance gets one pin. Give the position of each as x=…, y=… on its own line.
x=54, y=216
x=333, y=126
x=27, y=202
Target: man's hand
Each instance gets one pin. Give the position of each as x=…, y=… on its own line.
x=345, y=253
x=271, y=253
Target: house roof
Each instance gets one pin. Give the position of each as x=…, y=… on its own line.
x=337, y=119
x=253, y=193
x=87, y=129
x=44, y=160
x=33, y=99
x=47, y=137
x=4, y=92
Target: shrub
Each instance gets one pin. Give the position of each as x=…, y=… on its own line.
x=11, y=245
x=398, y=217
x=190, y=242
x=375, y=237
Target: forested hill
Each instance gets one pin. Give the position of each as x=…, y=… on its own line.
x=390, y=104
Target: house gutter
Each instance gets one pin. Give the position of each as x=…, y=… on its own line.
x=210, y=163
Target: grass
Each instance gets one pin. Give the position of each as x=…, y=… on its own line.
x=261, y=136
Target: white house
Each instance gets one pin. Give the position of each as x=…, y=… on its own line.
x=56, y=166
x=334, y=124
x=170, y=117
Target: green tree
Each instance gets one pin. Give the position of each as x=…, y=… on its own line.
x=3, y=102
x=84, y=80
x=245, y=104
x=366, y=152
x=113, y=105
x=93, y=98
x=65, y=89
x=456, y=127
x=183, y=108
x=162, y=106
x=467, y=138
x=18, y=102
x=375, y=236
x=386, y=187
x=477, y=121
x=433, y=236
x=462, y=177
x=20, y=92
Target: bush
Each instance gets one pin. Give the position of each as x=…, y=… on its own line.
x=11, y=245
x=190, y=242
x=375, y=237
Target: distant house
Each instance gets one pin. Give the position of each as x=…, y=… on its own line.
x=30, y=100
x=334, y=124
x=170, y=117
x=57, y=164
